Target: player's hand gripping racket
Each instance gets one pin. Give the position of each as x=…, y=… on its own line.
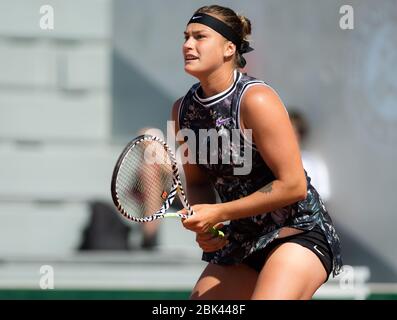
x=145, y=181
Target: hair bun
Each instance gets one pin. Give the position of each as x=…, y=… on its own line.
x=246, y=26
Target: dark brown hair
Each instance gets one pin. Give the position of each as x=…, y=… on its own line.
x=240, y=24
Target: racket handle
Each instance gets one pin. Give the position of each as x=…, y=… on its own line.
x=217, y=233
x=214, y=231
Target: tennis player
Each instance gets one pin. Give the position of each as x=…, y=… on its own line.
x=281, y=242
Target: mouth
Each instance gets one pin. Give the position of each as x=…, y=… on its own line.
x=190, y=57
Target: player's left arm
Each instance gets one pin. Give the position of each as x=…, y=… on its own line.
x=263, y=112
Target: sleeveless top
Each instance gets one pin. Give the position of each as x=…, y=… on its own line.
x=246, y=235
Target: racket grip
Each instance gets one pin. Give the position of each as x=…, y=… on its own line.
x=217, y=233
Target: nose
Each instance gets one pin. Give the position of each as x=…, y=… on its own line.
x=188, y=43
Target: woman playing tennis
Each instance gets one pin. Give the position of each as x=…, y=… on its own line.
x=281, y=242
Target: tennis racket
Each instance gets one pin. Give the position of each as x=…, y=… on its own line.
x=146, y=180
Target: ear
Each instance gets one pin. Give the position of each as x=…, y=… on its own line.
x=230, y=49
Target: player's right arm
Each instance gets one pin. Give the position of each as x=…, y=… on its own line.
x=198, y=186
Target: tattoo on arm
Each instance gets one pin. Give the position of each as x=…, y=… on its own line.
x=267, y=188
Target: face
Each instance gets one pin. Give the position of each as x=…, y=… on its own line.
x=204, y=49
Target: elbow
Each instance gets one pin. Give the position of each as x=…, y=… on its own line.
x=301, y=190
x=302, y=193
x=298, y=190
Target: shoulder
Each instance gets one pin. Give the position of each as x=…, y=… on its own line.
x=261, y=101
x=259, y=93
x=175, y=110
x=176, y=105
x=178, y=102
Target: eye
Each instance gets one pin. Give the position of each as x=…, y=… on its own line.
x=200, y=36
x=186, y=36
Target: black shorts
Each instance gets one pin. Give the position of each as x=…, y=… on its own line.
x=314, y=240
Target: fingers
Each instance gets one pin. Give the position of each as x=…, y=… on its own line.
x=193, y=208
x=200, y=222
x=196, y=226
x=204, y=236
x=209, y=242
x=211, y=247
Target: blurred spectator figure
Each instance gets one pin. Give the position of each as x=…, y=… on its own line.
x=150, y=230
x=105, y=229
x=314, y=165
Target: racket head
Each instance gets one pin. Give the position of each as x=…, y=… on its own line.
x=145, y=180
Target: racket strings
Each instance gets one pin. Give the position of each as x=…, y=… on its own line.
x=145, y=179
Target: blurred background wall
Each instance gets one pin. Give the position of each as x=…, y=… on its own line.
x=72, y=96
x=55, y=123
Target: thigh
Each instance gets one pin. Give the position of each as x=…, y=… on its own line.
x=219, y=282
x=290, y=272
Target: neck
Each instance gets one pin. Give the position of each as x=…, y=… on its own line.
x=216, y=82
